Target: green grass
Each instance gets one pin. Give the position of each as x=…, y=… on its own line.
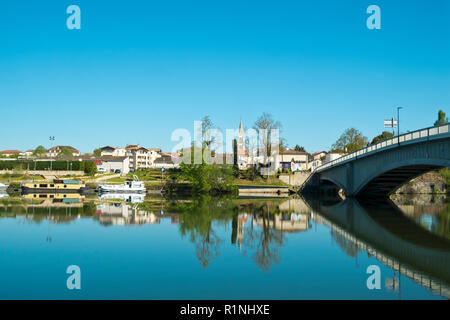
x=18, y=177
x=150, y=175
x=116, y=180
x=272, y=181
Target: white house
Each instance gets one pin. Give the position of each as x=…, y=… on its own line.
x=109, y=164
x=165, y=161
x=140, y=157
x=318, y=159
x=292, y=160
x=53, y=152
x=333, y=155
x=9, y=153
x=113, y=151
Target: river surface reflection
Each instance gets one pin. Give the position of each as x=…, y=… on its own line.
x=216, y=248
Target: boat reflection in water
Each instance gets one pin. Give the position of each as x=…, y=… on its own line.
x=124, y=214
x=127, y=197
x=117, y=211
x=49, y=199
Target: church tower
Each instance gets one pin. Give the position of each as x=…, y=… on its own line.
x=241, y=152
x=241, y=140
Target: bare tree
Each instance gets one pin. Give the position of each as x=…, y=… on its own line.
x=207, y=125
x=264, y=126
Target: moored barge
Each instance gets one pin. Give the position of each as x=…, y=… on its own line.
x=57, y=186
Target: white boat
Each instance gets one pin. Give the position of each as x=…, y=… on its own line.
x=127, y=197
x=130, y=186
x=3, y=187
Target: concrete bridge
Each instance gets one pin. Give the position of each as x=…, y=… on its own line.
x=380, y=169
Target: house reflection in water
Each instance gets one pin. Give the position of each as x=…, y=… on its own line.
x=241, y=221
x=293, y=216
x=123, y=214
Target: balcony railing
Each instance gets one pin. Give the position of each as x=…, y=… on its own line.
x=385, y=144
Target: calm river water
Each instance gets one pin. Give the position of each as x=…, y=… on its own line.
x=214, y=248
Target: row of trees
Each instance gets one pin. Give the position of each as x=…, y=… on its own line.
x=88, y=167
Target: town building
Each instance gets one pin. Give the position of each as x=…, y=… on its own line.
x=139, y=157
x=110, y=164
x=317, y=159
x=155, y=153
x=27, y=153
x=333, y=155
x=292, y=160
x=55, y=151
x=113, y=151
x=10, y=153
x=165, y=161
x=319, y=155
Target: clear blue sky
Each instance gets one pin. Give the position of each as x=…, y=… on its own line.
x=137, y=70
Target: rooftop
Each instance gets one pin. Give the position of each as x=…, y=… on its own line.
x=10, y=152
x=293, y=152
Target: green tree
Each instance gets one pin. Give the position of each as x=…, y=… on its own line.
x=39, y=151
x=442, y=119
x=235, y=158
x=97, y=152
x=65, y=152
x=350, y=141
x=89, y=168
x=208, y=178
x=383, y=136
x=298, y=148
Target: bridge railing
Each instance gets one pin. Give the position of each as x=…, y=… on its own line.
x=395, y=141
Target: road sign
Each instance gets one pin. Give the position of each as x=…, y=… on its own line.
x=390, y=123
x=163, y=170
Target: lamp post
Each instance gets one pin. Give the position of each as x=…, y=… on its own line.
x=398, y=120
x=52, y=138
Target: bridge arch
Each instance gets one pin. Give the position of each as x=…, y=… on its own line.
x=333, y=181
x=396, y=174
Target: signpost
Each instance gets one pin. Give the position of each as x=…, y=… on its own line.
x=391, y=123
x=162, y=173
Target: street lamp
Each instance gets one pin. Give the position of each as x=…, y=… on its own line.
x=398, y=120
x=52, y=138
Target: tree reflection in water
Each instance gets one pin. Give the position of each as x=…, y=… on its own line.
x=197, y=221
x=200, y=216
x=264, y=240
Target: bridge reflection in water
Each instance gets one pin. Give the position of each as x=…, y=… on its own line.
x=384, y=232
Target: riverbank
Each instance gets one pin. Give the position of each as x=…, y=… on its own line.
x=433, y=182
